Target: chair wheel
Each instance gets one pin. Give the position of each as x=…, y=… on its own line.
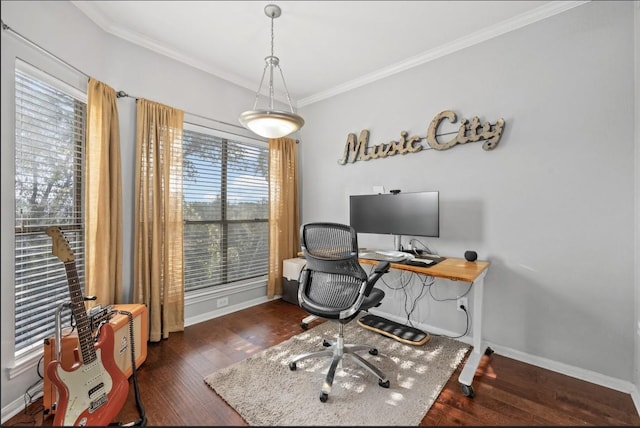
x=292, y=366
x=468, y=391
x=384, y=384
x=373, y=351
x=326, y=343
x=303, y=326
x=488, y=351
x=323, y=397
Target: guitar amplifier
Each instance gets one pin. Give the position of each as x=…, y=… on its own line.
x=69, y=352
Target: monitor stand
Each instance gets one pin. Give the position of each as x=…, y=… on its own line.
x=397, y=242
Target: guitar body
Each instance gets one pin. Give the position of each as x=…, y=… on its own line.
x=94, y=390
x=90, y=394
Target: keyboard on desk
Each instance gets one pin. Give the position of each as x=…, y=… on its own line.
x=420, y=262
x=391, y=256
x=426, y=259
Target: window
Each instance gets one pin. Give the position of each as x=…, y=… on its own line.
x=49, y=140
x=226, y=209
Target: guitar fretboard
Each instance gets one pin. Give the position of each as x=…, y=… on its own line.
x=85, y=338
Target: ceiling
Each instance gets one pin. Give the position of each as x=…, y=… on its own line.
x=325, y=47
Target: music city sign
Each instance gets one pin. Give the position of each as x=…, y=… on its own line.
x=468, y=132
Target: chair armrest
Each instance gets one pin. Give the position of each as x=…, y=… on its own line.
x=382, y=266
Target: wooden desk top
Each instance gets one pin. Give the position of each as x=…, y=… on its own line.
x=450, y=268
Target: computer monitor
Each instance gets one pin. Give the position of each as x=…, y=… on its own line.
x=413, y=214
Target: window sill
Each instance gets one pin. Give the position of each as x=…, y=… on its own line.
x=24, y=364
x=224, y=290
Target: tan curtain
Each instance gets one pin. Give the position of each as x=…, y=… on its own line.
x=284, y=217
x=158, y=270
x=103, y=197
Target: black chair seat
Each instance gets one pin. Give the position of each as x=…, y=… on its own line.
x=371, y=301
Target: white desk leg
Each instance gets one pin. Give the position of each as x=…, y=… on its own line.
x=479, y=346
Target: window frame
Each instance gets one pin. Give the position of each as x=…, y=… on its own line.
x=258, y=281
x=25, y=356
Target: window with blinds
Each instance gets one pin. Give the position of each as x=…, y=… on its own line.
x=226, y=209
x=49, y=143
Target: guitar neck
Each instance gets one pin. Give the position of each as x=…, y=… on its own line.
x=85, y=336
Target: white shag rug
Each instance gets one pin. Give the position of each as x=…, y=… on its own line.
x=264, y=391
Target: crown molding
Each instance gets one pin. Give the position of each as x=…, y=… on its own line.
x=545, y=11
x=535, y=15
x=89, y=9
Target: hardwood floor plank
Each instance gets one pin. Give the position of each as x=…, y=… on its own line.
x=560, y=394
x=523, y=403
x=508, y=392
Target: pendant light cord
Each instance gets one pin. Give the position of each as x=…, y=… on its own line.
x=271, y=65
x=272, y=36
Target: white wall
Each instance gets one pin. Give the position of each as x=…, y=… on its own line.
x=60, y=28
x=552, y=207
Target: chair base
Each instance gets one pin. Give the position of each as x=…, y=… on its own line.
x=338, y=351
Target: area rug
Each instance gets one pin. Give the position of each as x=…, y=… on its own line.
x=264, y=391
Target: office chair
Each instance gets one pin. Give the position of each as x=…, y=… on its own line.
x=334, y=286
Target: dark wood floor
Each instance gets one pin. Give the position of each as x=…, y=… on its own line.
x=173, y=393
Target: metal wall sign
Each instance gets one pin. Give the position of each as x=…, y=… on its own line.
x=470, y=131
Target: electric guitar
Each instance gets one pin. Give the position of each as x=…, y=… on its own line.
x=94, y=390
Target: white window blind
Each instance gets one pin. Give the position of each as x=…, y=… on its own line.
x=226, y=209
x=49, y=144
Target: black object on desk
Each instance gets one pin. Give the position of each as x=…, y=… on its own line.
x=423, y=261
x=470, y=256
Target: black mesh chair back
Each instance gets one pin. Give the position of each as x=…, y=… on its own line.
x=333, y=285
x=333, y=279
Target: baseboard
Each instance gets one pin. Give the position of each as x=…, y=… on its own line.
x=17, y=405
x=566, y=369
x=555, y=366
x=575, y=372
x=226, y=310
x=635, y=396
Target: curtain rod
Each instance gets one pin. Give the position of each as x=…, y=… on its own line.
x=123, y=94
x=119, y=94
x=5, y=27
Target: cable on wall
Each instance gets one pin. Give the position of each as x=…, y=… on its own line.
x=427, y=281
x=405, y=282
x=451, y=298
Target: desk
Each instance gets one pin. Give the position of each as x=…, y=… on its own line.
x=455, y=269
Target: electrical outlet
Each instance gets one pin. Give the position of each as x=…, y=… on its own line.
x=462, y=301
x=223, y=301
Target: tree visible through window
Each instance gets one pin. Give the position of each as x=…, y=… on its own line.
x=226, y=210
x=49, y=144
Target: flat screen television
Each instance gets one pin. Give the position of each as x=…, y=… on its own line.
x=412, y=214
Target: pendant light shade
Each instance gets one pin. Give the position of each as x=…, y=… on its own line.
x=268, y=122
x=271, y=123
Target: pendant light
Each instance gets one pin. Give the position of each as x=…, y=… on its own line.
x=270, y=123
